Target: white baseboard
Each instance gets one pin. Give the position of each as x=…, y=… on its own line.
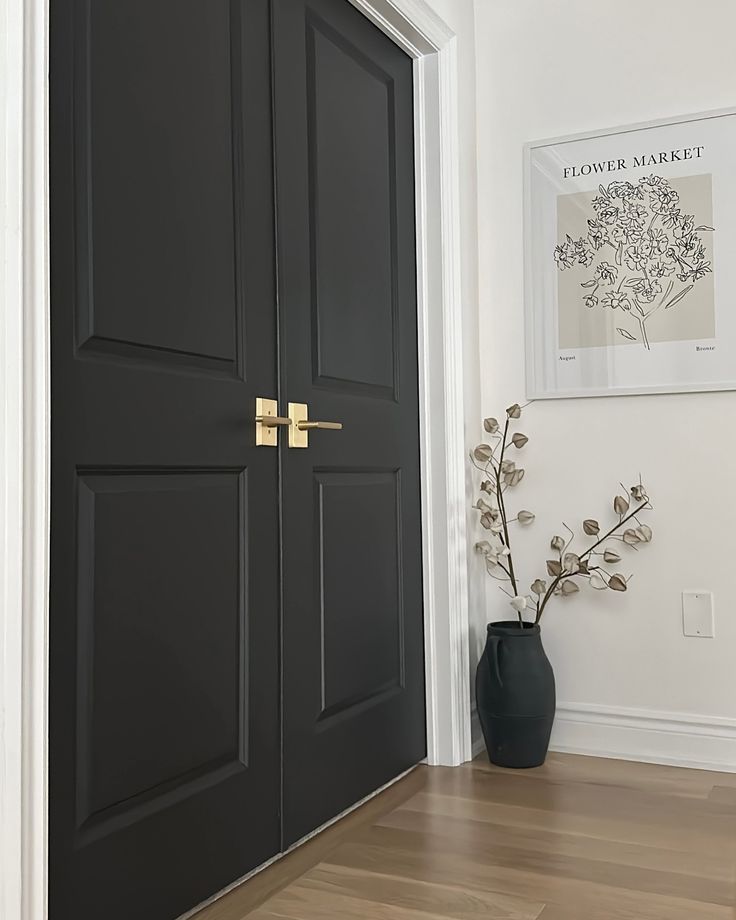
x=677, y=739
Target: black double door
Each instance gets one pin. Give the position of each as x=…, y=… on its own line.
x=236, y=630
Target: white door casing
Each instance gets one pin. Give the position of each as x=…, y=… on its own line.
x=24, y=456
x=433, y=46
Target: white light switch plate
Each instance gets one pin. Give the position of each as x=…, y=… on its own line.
x=697, y=614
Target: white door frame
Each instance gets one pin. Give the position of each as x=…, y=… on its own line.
x=433, y=46
x=24, y=419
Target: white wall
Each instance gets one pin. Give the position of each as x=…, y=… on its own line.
x=547, y=69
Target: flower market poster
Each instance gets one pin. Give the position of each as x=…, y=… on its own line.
x=629, y=286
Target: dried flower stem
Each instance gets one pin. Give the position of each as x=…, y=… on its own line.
x=502, y=510
x=624, y=520
x=501, y=474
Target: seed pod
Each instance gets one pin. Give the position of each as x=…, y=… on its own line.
x=644, y=533
x=483, y=453
x=617, y=583
x=571, y=563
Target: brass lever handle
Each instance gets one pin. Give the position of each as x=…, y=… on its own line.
x=272, y=421
x=301, y=425
x=328, y=426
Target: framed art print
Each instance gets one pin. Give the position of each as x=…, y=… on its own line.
x=630, y=278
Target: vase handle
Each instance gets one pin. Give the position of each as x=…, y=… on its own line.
x=492, y=650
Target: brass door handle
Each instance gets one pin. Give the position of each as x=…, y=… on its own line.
x=273, y=421
x=328, y=426
x=301, y=425
x=267, y=421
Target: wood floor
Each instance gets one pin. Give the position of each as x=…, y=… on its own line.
x=578, y=839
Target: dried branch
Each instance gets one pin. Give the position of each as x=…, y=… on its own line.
x=568, y=568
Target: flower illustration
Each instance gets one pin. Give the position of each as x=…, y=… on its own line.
x=671, y=219
x=699, y=271
x=642, y=247
x=646, y=290
x=660, y=242
x=597, y=234
x=661, y=269
x=564, y=258
x=626, y=234
x=663, y=198
x=585, y=256
x=609, y=214
x=624, y=190
x=606, y=273
x=684, y=226
x=637, y=255
x=635, y=214
x=616, y=299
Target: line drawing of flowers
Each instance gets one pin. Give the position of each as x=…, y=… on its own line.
x=645, y=254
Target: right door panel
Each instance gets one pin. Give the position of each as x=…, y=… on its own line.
x=353, y=684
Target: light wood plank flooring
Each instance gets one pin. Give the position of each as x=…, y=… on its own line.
x=578, y=839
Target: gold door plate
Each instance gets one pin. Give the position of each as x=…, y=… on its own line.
x=298, y=412
x=266, y=435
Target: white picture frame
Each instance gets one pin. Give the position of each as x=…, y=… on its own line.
x=630, y=286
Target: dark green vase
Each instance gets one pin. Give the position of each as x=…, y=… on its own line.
x=515, y=693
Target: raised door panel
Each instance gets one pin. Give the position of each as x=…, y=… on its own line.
x=158, y=180
x=359, y=588
x=162, y=635
x=352, y=172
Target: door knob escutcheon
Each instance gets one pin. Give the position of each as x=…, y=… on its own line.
x=267, y=422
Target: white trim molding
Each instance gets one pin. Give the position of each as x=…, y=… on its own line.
x=11, y=459
x=24, y=469
x=642, y=735
x=424, y=36
x=679, y=739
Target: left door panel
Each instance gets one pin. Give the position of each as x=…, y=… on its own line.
x=164, y=743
